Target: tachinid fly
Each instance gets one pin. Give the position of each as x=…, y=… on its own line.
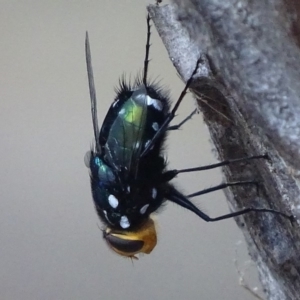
x=129, y=180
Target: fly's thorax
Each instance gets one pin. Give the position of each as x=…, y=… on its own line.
x=132, y=121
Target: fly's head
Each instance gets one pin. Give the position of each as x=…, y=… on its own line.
x=133, y=242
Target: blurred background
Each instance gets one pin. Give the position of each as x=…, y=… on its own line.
x=50, y=243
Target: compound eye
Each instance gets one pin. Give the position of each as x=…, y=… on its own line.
x=124, y=246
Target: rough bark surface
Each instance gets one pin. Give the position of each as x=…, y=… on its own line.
x=248, y=89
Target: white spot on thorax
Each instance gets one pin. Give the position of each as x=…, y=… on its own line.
x=122, y=111
x=147, y=143
x=154, y=193
x=113, y=201
x=124, y=222
x=128, y=188
x=144, y=208
x=155, y=126
x=137, y=145
x=115, y=103
x=156, y=103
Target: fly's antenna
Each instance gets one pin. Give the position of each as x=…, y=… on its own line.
x=146, y=61
x=92, y=91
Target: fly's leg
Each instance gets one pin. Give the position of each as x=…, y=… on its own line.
x=146, y=60
x=175, y=196
x=171, y=115
x=176, y=127
x=169, y=175
x=222, y=186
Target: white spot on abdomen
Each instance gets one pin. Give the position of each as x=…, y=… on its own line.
x=154, y=193
x=113, y=201
x=144, y=208
x=106, y=217
x=124, y=222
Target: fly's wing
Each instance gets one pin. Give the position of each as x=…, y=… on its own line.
x=125, y=139
x=92, y=92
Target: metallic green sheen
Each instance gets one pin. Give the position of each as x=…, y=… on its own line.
x=125, y=140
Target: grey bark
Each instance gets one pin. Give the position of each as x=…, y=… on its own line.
x=248, y=87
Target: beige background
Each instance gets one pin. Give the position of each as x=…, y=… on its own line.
x=51, y=246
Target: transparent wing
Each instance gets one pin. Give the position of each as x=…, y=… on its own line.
x=92, y=92
x=126, y=137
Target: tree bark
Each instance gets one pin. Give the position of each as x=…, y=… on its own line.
x=248, y=87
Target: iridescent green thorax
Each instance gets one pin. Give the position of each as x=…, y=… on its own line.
x=133, y=118
x=125, y=139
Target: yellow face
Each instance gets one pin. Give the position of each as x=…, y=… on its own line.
x=130, y=243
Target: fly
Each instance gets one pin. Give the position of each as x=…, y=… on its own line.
x=128, y=174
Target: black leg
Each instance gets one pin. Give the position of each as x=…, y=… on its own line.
x=146, y=61
x=175, y=196
x=169, y=175
x=245, y=211
x=222, y=186
x=171, y=115
x=176, y=127
x=223, y=163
